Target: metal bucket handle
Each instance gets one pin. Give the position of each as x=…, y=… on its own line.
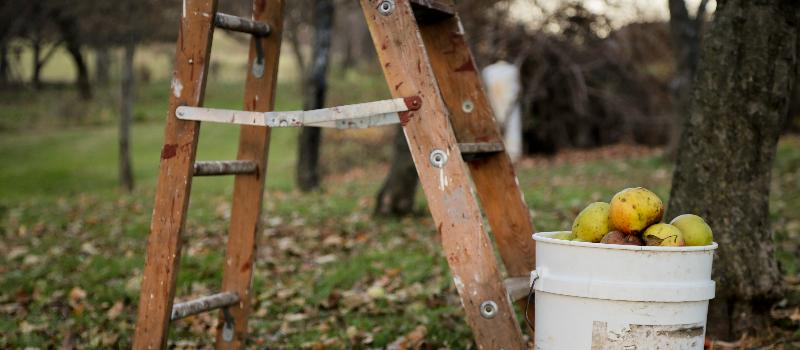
x=534, y=277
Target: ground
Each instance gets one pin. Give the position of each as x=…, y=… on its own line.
x=328, y=275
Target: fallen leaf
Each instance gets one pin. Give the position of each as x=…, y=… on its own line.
x=414, y=340
x=77, y=294
x=115, y=310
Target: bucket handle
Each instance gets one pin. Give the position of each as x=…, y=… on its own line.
x=534, y=277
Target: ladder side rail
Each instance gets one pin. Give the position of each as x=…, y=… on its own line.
x=175, y=176
x=248, y=191
x=443, y=175
x=473, y=120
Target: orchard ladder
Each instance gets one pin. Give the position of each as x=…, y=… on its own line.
x=448, y=123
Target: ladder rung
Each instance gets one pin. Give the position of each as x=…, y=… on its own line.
x=480, y=148
x=427, y=11
x=203, y=304
x=224, y=167
x=239, y=24
x=517, y=287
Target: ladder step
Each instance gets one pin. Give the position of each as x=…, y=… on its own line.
x=224, y=167
x=240, y=24
x=475, y=150
x=203, y=304
x=429, y=11
x=517, y=287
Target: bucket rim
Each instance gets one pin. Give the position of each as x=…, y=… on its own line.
x=544, y=237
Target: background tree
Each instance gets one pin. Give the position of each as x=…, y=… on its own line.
x=126, y=24
x=308, y=176
x=396, y=196
x=685, y=32
x=724, y=160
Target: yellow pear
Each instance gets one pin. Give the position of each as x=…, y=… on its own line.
x=592, y=222
x=664, y=235
x=695, y=230
x=634, y=209
x=564, y=235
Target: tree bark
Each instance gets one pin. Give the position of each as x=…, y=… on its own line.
x=102, y=74
x=68, y=27
x=308, y=177
x=36, y=76
x=685, y=32
x=726, y=151
x=4, y=64
x=127, y=98
x=396, y=197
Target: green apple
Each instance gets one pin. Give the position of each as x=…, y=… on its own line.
x=564, y=235
x=592, y=222
x=695, y=230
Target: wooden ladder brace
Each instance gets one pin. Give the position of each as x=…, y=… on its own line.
x=447, y=121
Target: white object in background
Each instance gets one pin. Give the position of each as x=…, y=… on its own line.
x=503, y=86
x=608, y=296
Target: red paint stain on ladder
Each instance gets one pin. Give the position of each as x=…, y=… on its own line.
x=169, y=151
x=466, y=67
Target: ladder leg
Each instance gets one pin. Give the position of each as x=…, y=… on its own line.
x=444, y=176
x=493, y=175
x=175, y=176
x=249, y=188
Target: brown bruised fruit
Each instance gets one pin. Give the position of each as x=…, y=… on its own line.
x=664, y=235
x=616, y=237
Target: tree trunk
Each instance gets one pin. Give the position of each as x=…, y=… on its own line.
x=317, y=85
x=127, y=98
x=36, y=76
x=5, y=70
x=396, y=197
x=102, y=65
x=726, y=151
x=685, y=32
x=82, y=77
x=69, y=32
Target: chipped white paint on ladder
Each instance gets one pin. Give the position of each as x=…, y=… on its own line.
x=177, y=87
x=459, y=284
x=184, y=9
x=443, y=181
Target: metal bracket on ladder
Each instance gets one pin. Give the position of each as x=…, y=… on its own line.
x=358, y=116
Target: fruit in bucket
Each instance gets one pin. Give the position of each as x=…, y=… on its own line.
x=616, y=237
x=592, y=222
x=564, y=235
x=664, y=235
x=634, y=209
x=695, y=230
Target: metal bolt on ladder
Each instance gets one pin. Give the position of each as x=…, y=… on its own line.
x=439, y=101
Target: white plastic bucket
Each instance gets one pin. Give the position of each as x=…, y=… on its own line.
x=608, y=296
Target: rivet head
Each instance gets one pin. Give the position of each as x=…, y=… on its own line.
x=488, y=309
x=386, y=7
x=467, y=106
x=438, y=158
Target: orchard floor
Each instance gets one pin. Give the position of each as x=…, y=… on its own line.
x=328, y=274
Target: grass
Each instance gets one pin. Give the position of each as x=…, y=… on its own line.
x=328, y=275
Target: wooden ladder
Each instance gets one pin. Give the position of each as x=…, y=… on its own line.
x=447, y=121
